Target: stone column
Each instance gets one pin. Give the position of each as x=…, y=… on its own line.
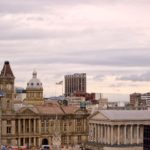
x=39, y=122
x=101, y=134
x=125, y=134
x=29, y=125
x=118, y=140
x=34, y=125
x=34, y=141
x=98, y=133
x=24, y=126
x=94, y=132
x=45, y=126
x=112, y=135
x=29, y=142
x=91, y=132
x=105, y=133
x=108, y=134
x=75, y=126
x=104, y=129
x=131, y=131
x=39, y=141
x=137, y=134
x=107, y=140
x=18, y=144
x=19, y=124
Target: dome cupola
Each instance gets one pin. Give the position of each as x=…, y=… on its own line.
x=34, y=91
x=34, y=83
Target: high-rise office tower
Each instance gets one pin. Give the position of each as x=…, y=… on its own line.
x=75, y=83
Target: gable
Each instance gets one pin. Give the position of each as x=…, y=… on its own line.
x=80, y=111
x=98, y=116
x=27, y=111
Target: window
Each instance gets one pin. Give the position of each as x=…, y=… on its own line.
x=78, y=122
x=42, y=122
x=8, y=130
x=52, y=123
x=79, y=139
x=65, y=126
x=9, y=122
x=64, y=140
x=79, y=125
x=47, y=123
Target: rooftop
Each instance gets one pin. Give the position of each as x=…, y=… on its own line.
x=6, y=71
x=124, y=114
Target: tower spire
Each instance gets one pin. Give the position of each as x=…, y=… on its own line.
x=6, y=71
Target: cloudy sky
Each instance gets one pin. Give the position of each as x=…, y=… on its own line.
x=107, y=39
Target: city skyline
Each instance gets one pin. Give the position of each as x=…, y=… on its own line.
x=108, y=40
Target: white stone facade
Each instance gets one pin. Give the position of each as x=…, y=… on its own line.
x=117, y=134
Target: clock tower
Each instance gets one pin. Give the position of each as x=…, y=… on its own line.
x=7, y=86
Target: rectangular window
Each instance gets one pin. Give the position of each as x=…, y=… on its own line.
x=79, y=139
x=8, y=130
x=65, y=126
x=64, y=140
x=78, y=122
x=8, y=122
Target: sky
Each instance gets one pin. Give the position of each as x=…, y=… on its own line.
x=109, y=40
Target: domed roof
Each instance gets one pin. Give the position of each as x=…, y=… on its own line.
x=34, y=83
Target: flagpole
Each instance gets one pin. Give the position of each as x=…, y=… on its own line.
x=62, y=88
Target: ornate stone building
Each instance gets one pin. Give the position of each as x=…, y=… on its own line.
x=119, y=130
x=35, y=121
x=34, y=91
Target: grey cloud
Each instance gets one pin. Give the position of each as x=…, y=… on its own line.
x=24, y=6
x=120, y=58
x=136, y=77
x=117, y=85
x=99, y=77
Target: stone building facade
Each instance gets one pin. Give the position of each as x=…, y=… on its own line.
x=118, y=130
x=35, y=122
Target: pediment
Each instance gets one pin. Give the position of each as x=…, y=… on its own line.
x=80, y=111
x=98, y=116
x=27, y=111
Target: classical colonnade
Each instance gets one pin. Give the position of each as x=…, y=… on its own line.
x=27, y=131
x=121, y=134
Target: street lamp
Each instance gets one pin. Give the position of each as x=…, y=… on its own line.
x=1, y=96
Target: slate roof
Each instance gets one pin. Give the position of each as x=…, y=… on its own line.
x=6, y=71
x=69, y=109
x=126, y=114
x=50, y=110
x=47, y=109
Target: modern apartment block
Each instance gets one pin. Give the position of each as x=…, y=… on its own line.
x=139, y=101
x=75, y=83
